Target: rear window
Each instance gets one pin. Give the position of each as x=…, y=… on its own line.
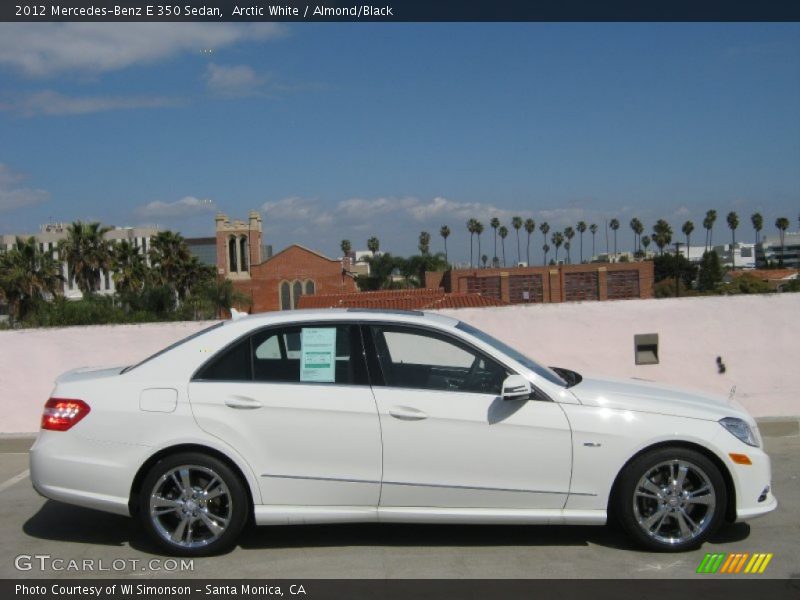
x=175, y=345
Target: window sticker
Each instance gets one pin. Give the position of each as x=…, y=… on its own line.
x=318, y=354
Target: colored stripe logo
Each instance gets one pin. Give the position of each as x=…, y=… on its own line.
x=735, y=562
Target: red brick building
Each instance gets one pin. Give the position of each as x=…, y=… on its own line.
x=558, y=283
x=279, y=282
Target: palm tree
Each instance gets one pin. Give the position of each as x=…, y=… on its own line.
x=471, y=227
x=638, y=228
x=86, y=253
x=569, y=233
x=708, y=224
x=172, y=264
x=687, y=230
x=530, y=228
x=545, y=229
x=782, y=223
x=733, y=223
x=545, y=250
x=484, y=260
x=494, y=223
x=758, y=224
x=424, y=243
x=27, y=275
x=128, y=266
x=557, y=239
x=444, y=231
x=581, y=230
x=503, y=231
x=346, y=247
x=645, y=243
x=516, y=223
x=478, y=232
x=373, y=245
x=662, y=234
x=593, y=228
x=614, y=224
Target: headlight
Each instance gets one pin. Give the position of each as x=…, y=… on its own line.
x=740, y=429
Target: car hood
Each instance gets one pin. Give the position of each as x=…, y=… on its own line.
x=642, y=396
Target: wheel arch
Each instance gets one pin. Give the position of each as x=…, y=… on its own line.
x=730, y=488
x=136, y=485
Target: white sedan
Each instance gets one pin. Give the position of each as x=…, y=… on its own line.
x=354, y=415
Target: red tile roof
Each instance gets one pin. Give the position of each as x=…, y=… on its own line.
x=406, y=299
x=765, y=274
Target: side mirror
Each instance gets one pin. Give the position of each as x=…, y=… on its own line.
x=516, y=387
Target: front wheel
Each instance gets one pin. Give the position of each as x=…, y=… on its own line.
x=671, y=499
x=192, y=504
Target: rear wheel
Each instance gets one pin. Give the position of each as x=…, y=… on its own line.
x=192, y=504
x=671, y=499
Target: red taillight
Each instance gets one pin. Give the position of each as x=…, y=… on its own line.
x=60, y=414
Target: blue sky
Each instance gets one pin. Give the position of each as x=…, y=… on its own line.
x=350, y=130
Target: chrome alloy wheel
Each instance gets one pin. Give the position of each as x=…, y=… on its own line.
x=674, y=502
x=190, y=506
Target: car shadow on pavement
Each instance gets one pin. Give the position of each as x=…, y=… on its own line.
x=72, y=524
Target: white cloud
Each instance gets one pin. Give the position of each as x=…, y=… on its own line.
x=295, y=208
x=185, y=207
x=52, y=103
x=233, y=81
x=44, y=49
x=12, y=197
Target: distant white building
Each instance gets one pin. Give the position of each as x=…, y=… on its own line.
x=769, y=249
x=51, y=234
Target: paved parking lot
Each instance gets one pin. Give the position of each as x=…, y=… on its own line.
x=31, y=525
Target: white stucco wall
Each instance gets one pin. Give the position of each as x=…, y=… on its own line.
x=756, y=336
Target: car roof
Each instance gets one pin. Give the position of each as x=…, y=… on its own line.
x=347, y=314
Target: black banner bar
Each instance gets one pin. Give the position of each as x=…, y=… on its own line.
x=395, y=11
x=710, y=588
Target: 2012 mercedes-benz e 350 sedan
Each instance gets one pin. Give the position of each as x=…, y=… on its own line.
x=353, y=415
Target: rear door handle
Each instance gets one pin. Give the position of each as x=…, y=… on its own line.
x=240, y=402
x=405, y=413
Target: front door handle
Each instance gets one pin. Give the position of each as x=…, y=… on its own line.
x=405, y=413
x=241, y=402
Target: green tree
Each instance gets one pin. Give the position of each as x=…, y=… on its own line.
x=128, y=267
x=494, y=223
x=471, y=227
x=710, y=274
x=503, y=231
x=708, y=224
x=516, y=223
x=346, y=247
x=733, y=223
x=662, y=234
x=614, y=224
x=637, y=228
x=478, y=232
x=27, y=276
x=593, y=229
x=758, y=224
x=444, y=231
x=645, y=241
x=545, y=229
x=557, y=239
x=687, y=229
x=581, y=230
x=782, y=223
x=373, y=245
x=569, y=233
x=86, y=252
x=530, y=229
x=545, y=250
x=424, y=243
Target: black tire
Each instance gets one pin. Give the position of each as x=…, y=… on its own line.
x=680, y=515
x=207, y=520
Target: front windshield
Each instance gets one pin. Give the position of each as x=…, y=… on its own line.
x=516, y=355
